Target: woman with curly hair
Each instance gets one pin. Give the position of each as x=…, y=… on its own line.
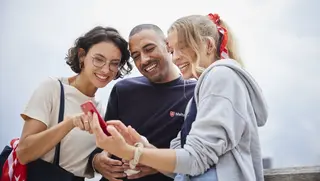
x=97, y=58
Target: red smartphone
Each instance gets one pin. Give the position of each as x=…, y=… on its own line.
x=89, y=106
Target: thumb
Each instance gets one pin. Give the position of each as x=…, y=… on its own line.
x=135, y=135
x=96, y=129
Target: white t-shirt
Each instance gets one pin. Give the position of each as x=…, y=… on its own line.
x=77, y=144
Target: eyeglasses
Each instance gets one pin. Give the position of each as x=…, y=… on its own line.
x=98, y=62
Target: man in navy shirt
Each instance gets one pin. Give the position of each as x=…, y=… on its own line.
x=153, y=104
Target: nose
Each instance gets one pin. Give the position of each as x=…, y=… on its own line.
x=106, y=68
x=145, y=58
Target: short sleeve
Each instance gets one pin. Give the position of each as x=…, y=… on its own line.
x=40, y=104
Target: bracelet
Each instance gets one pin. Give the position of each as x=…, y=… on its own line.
x=137, y=153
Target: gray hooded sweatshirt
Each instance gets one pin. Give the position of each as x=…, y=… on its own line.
x=230, y=108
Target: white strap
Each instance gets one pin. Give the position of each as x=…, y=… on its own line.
x=137, y=153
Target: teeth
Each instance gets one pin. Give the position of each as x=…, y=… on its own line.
x=101, y=77
x=151, y=67
x=183, y=65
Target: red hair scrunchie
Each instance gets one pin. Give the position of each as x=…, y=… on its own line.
x=224, y=33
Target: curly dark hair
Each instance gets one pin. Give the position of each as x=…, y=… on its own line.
x=97, y=35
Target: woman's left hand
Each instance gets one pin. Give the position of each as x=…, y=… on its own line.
x=114, y=144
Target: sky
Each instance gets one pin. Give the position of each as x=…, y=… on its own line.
x=278, y=42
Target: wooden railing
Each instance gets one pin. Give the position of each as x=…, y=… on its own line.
x=293, y=174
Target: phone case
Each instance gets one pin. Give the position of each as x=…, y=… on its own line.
x=89, y=106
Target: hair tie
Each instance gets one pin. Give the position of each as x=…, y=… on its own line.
x=224, y=35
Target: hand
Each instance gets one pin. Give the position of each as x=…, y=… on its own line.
x=114, y=144
x=82, y=121
x=144, y=170
x=130, y=134
x=109, y=168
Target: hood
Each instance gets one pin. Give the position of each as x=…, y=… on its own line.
x=257, y=99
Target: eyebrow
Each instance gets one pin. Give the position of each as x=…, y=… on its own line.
x=149, y=44
x=99, y=54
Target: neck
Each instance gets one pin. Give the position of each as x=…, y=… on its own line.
x=173, y=73
x=83, y=85
x=208, y=60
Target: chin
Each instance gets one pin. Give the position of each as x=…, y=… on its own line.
x=101, y=84
x=155, y=78
x=187, y=75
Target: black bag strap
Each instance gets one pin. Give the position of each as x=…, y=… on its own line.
x=61, y=116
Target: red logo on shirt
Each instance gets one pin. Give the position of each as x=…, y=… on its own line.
x=172, y=113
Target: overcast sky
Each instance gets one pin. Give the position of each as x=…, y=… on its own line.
x=279, y=42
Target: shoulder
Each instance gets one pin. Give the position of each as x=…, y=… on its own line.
x=221, y=74
x=220, y=80
x=132, y=82
x=49, y=84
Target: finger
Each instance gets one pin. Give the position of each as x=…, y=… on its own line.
x=119, y=125
x=114, y=133
x=126, y=167
x=111, y=161
x=89, y=114
x=134, y=134
x=96, y=129
x=125, y=161
x=89, y=117
x=78, y=122
x=116, y=175
x=85, y=122
x=112, y=168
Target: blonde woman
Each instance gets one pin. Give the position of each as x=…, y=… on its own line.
x=219, y=139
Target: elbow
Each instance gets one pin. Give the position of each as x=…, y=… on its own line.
x=22, y=155
x=198, y=168
x=189, y=162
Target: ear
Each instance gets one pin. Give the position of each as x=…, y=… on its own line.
x=81, y=55
x=210, y=46
x=167, y=46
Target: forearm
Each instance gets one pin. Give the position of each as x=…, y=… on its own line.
x=91, y=159
x=34, y=146
x=163, y=160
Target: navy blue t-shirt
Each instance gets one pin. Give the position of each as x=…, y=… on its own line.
x=155, y=110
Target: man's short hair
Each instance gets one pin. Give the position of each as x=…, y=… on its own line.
x=141, y=27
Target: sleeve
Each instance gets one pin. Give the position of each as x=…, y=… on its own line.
x=219, y=124
x=40, y=104
x=112, y=112
x=176, y=142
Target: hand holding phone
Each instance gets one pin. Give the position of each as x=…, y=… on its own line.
x=89, y=107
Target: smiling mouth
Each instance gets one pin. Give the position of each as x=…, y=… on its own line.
x=151, y=67
x=183, y=67
x=102, y=78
